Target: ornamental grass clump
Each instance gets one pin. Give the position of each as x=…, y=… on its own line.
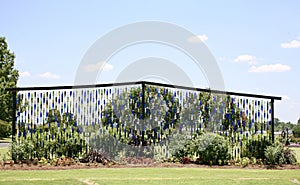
x=277, y=154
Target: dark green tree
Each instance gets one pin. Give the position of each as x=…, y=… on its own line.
x=8, y=78
x=171, y=116
x=296, y=131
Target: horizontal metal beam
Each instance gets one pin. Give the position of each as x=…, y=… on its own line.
x=71, y=87
x=147, y=83
x=213, y=91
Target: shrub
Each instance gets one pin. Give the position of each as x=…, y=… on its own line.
x=272, y=153
x=50, y=140
x=21, y=151
x=289, y=155
x=180, y=147
x=43, y=161
x=276, y=154
x=212, y=148
x=97, y=156
x=245, y=161
x=253, y=160
x=259, y=162
x=186, y=160
x=255, y=148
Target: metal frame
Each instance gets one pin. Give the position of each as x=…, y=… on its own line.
x=143, y=83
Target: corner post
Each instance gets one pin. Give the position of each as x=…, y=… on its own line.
x=272, y=119
x=143, y=111
x=14, y=111
x=143, y=100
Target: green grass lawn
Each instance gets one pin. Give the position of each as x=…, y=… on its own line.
x=151, y=176
x=297, y=151
x=3, y=151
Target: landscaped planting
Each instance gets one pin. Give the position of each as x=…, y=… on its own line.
x=143, y=123
x=59, y=136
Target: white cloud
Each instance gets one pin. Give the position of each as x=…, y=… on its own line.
x=198, y=38
x=292, y=44
x=285, y=97
x=24, y=74
x=222, y=58
x=49, y=75
x=252, y=62
x=98, y=66
x=269, y=68
x=246, y=58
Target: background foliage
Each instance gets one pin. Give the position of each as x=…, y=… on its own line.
x=8, y=78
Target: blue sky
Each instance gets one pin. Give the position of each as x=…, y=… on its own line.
x=256, y=43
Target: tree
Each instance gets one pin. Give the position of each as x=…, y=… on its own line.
x=276, y=122
x=8, y=78
x=169, y=111
x=296, y=131
x=282, y=126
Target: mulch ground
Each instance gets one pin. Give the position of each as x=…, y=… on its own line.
x=155, y=165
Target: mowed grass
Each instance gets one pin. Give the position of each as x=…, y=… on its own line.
x=3, y=151
x=297, y=151
x=151, y=176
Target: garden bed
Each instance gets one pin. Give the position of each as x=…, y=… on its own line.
x=154, y=165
